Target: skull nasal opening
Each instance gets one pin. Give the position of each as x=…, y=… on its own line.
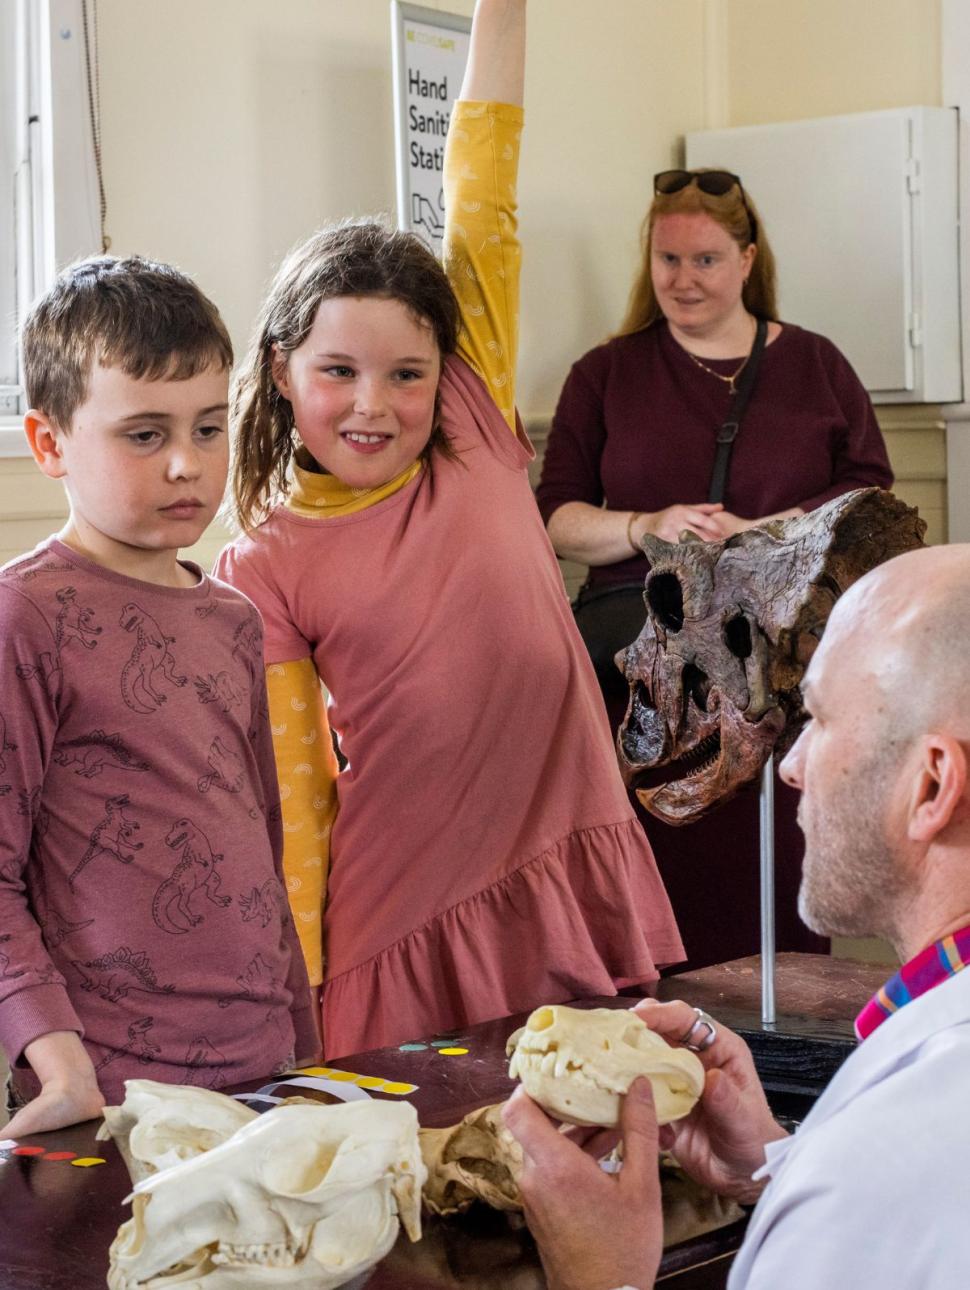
x=666, y=599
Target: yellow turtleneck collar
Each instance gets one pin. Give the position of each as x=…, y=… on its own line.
x=319, y=496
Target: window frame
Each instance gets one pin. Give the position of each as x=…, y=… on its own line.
x=49, y=181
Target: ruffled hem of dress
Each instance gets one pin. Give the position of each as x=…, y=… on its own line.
x=587, y=917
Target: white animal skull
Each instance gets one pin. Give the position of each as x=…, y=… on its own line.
x=159, y=1125
x=576, y=1062
x=302, y=1197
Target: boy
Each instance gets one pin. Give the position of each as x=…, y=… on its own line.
x=144, y=928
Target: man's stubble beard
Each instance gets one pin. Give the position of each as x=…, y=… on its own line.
x=852, y=881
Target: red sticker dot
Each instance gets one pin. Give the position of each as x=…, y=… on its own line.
x=28, y=1151
x=60, y=1155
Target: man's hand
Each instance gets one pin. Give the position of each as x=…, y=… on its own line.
x=721, y=1143
x=69, y=1087
x=595, y=1231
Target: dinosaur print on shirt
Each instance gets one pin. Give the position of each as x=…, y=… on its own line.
x=94, y=752
x=196, y=870
x=73, y=622
x=113, y=835
x=113, y=975
x=151, y=661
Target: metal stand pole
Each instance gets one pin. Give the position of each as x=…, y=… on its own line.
x=767, y=823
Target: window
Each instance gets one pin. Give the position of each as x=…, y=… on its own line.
x=50, y=204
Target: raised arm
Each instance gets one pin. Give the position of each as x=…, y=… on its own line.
x=495, y=72
x=481, y=250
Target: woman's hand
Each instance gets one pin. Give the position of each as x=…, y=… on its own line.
x=721, y=1143
x=595, y=1231
x=701, y=519
x=729, y=524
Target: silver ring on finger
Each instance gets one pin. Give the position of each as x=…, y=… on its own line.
x=693, y=1040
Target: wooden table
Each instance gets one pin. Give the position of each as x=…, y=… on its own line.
x=57, y=1220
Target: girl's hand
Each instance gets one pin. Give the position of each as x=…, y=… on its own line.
x=700, y=519
x=721, y=1143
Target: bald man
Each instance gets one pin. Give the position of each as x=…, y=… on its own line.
x=873, y=1191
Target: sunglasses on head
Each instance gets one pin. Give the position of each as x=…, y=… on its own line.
x=716, y=183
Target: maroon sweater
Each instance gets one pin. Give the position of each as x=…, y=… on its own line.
x=637, y=420
x=141, y=901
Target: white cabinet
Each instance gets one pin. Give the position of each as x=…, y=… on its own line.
x=861, y=212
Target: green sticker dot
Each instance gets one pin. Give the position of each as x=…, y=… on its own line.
x=412, y=1048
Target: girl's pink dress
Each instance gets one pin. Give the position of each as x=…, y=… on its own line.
x=485, y=858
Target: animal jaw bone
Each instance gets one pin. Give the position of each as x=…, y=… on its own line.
x=731, y=626
x=303, y=1196
x=576, y=1063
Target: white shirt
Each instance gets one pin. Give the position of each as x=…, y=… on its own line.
x=873, y=1191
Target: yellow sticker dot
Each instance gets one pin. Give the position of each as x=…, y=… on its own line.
x=453, y=1052
x=369, y=1081
x=391, y=1087
x=342, y=1075
x=85, y=1162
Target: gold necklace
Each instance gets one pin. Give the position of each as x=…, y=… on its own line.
x=729, y=381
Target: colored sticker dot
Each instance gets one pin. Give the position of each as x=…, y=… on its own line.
x=445, y=1043
x=341, y=1075
x=28, y=1151
x=453, y=1052
x=369, y=1081
x=391, y=1087
x=85, y=1162
x=412, y=1048
x=60, y=1155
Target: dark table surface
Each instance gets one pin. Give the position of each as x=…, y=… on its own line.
x=58, y=1218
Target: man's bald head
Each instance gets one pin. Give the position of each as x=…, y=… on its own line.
x=905, y=627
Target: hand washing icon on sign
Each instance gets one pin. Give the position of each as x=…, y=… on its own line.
x=424, y=215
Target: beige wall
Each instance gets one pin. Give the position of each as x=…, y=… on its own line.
x=231, y=128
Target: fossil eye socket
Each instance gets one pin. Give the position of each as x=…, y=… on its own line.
x=737, y=636
x=666, y=599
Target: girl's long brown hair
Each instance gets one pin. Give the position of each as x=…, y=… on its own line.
x=356, y=258
x=759, y=296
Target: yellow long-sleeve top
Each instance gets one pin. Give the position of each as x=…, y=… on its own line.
x=482, y=259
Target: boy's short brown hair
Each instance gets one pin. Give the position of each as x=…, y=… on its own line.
x=144, y=317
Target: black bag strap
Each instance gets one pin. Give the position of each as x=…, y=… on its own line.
x=739, y=401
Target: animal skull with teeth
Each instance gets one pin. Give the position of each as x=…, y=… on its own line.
x=714, y=675
x=577, y=1062
x=303, y=1196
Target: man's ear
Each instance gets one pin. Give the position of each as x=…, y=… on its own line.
x=939, y=786
x=44, y=439
x=280, y=370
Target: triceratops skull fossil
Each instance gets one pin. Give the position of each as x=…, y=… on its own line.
x=714, y=675
x=305, y=1196
x=576, y=1062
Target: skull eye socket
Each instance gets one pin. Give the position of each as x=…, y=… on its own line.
x=737, y=636
x=666, y=598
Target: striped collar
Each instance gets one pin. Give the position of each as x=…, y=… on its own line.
x=942, y=959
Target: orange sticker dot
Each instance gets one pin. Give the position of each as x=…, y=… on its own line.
x=85, y=1162
x=60, y=1155
x=453, y=1052
x=28, y=1151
